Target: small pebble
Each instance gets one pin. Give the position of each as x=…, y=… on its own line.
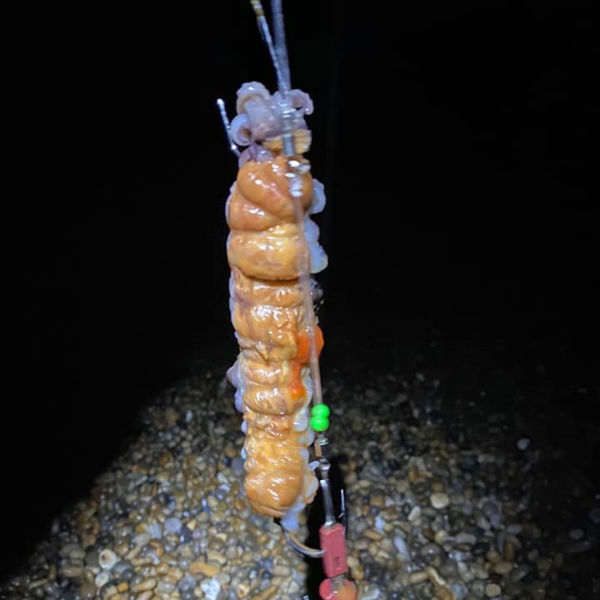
x=503, y=568
x=203, y=568
x=414, y=514
x=87, y=591
x=154, y=531
x=145, y=585
x=211, y=588
x=107, y=559
x=492, y=590
x=576, y=534
x=173, y=525
x=101, y=578
x=402, y=548
x=439, y=500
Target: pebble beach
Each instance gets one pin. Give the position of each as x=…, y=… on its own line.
x=444, y=502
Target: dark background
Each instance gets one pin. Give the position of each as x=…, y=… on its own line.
x=456, y=142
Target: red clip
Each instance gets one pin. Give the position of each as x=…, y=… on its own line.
x=342, y=590
x=333, y=544
x=326, y=590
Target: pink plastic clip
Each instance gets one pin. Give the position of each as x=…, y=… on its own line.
x=333, y=544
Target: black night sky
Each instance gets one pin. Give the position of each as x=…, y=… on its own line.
x=457, y=145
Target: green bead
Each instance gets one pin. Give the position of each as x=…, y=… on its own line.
x=319, y=423
x=320, y=410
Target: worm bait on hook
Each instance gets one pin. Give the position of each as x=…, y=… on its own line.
x=273, y=250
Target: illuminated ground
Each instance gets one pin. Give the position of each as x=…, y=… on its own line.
x=455, y=486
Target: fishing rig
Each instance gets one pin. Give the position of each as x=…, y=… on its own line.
x=332, y=551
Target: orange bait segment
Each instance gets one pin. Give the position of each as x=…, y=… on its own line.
x=302, y=358
x=303, y=354
x=297, y=389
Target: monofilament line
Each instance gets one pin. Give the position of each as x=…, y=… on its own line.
x=280, y=45
x=265, y=32
x=281, y=67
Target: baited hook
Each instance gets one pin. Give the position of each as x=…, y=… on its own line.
x=297, y=545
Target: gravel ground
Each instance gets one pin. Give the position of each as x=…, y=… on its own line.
x=446, y=501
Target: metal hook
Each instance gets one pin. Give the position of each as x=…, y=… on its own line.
x=227, y=127
x=343, y=516
x=297, y=545
x=330, y=520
